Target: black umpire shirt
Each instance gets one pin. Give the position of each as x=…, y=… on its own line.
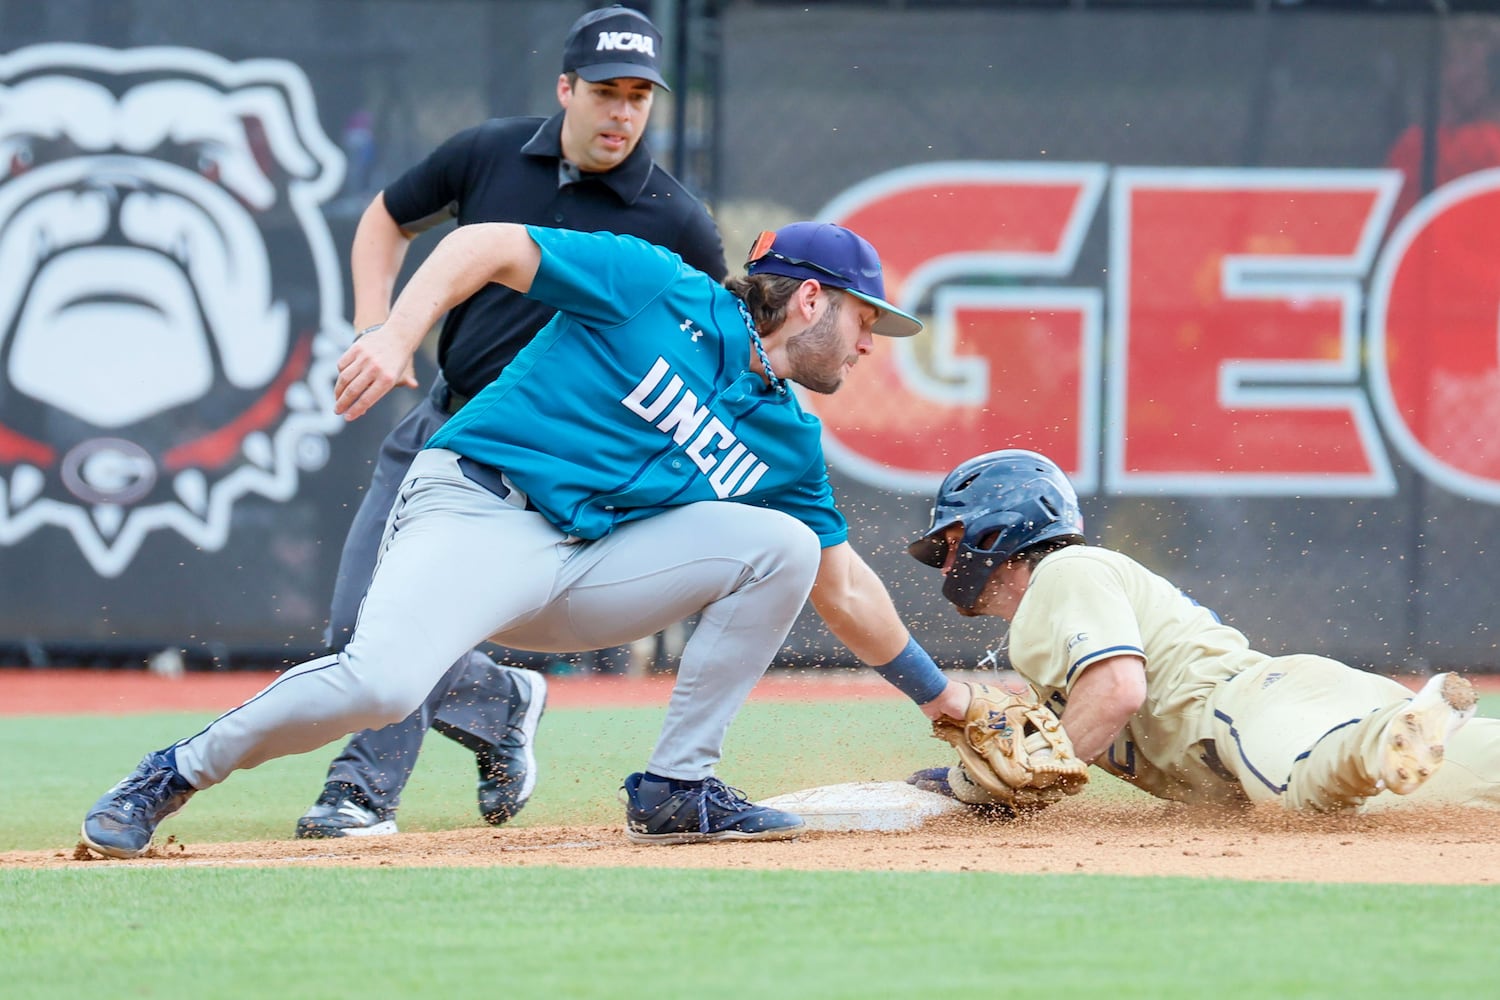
x=511, y=170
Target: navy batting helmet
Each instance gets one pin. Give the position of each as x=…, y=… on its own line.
x=1006, y=501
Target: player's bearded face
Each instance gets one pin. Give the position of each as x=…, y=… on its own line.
x=822, y=355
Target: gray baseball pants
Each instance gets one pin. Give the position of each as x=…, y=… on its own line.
x=458, y=564
x=471, y=697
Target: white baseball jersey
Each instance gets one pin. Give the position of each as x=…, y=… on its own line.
x=1087, y=604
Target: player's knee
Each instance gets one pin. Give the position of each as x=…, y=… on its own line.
x=380, y=703
x=789, y=547
x=386, y=707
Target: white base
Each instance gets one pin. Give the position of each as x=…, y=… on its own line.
x=864, y=805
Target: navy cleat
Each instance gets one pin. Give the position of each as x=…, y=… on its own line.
x=122, y=822
x=343, y=811
x=711, y=810
x=507, y=769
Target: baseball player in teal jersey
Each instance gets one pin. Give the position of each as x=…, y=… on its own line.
x=641, y=460
x=1153, y=688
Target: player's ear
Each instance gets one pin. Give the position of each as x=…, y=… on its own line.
x=564, y=89
x=806, y=299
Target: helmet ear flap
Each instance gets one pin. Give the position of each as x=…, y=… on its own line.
x=989, y=537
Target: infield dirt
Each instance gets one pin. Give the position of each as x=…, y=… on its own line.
x=1397, y=845
x=1446, y=846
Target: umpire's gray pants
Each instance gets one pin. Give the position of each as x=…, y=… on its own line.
x=471, y=697
x=458, y=565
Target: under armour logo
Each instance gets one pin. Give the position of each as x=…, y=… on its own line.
x=688, y=327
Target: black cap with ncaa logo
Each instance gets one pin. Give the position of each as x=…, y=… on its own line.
x=614, y=42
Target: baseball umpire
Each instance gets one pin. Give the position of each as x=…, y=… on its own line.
x=586, y=169
x=1153, y=688
x=642, y=460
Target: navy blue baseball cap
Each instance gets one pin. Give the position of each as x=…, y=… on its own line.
x=614, y=42
x=836, y=257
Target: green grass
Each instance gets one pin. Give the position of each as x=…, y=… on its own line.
x=617, y=933
x=56, y=767
x=533, y=931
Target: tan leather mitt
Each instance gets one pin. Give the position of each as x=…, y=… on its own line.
x=1011, y=751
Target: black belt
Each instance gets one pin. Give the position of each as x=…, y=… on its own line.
x=455, y=402
x=445, y=399
x=487, y=476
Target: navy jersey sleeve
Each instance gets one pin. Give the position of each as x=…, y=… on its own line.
x=430, y=191
x=600, y=279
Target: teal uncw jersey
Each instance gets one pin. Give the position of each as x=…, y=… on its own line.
x=638, y=396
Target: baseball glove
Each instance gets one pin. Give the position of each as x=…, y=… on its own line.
x=1012, y=751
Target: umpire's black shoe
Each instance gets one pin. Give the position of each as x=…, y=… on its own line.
x=123, y=821
x=507, y=769
x=343, y=810
x=710, y=810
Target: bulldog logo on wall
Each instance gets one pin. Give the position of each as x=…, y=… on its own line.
x=171, y=308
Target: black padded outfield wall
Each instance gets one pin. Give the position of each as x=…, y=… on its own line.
x=1234, y=269
x=1230, y=264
